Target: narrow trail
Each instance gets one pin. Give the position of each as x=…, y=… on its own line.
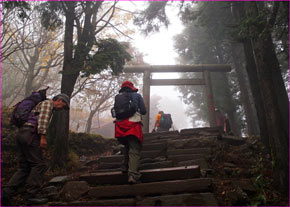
x=176, y=171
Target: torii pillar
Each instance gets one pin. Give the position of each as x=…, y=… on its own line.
x=206, y=81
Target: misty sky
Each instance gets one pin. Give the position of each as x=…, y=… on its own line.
x=158, y=50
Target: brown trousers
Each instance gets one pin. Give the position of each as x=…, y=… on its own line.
x=32, y=164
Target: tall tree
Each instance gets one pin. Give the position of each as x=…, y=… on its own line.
x=84, y=55
x=274, y=94
x=251, y=68
x=250, y=112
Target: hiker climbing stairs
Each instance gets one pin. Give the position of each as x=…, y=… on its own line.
x=173, y=166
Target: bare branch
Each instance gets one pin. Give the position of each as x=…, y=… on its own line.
x=114, y=27
x=125, y=10
x=111, y=16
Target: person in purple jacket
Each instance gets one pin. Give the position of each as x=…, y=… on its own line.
x=31, y=143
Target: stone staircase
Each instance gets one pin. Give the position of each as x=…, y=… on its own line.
x=173, y=167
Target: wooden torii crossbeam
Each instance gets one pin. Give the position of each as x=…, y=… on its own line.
x=206, y=81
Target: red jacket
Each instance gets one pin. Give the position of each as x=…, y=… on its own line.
x=125, y=127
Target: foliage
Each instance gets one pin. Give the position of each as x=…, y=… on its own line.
x=109, y=54
x=152, y=17
x=92, y=56
x=50, y=17
x=90, y=144
x=21, y=7
x=263, y=177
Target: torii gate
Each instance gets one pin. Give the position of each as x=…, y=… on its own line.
x=206, y=81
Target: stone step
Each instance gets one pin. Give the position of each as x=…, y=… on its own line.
x=158, y=134
x=109, y=165
x=202, y=163
x=161, y=139
x=114, y=165
x=195, y=199
x=153, y=153
x=180, y=158
x=189, y=151
x=163, y=164
x=203, y=142
x=153, y=175
x=111, y=159
x=107, y=170
x=144, y=154
x=155, y=188
x=154, y=146
x=151, y=146
x=114, y=202
x=196, y=131
x=184, y=138
x=232, y=140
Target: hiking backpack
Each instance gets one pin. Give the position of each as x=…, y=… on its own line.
x=165, y=121
x=124, y=107
x=21, y=112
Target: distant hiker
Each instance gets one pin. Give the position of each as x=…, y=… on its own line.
x=222, y=121
x=163, y=122
x=227, y=126
x=128, y=108
x=31, y=143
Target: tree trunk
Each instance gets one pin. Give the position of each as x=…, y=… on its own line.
x=254, y=83
x=28, y=84
x=89, y=122
x=61, y=124
x=274, y=95
x=249, y=113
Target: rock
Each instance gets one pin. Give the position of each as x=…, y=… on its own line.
x=59, y=179
x=246, y=186
x=231, y=165
x=238, y=197
x=74, y=190
x=83, y=158
x=84, y=169
x=37, y=200
x=50, y=190
x=232, y=140
x=91, y=162
x=245, y=173
x=199, y=199
x=228, y=171
x=203, y=173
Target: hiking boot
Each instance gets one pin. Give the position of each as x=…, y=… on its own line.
x=132, y=180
